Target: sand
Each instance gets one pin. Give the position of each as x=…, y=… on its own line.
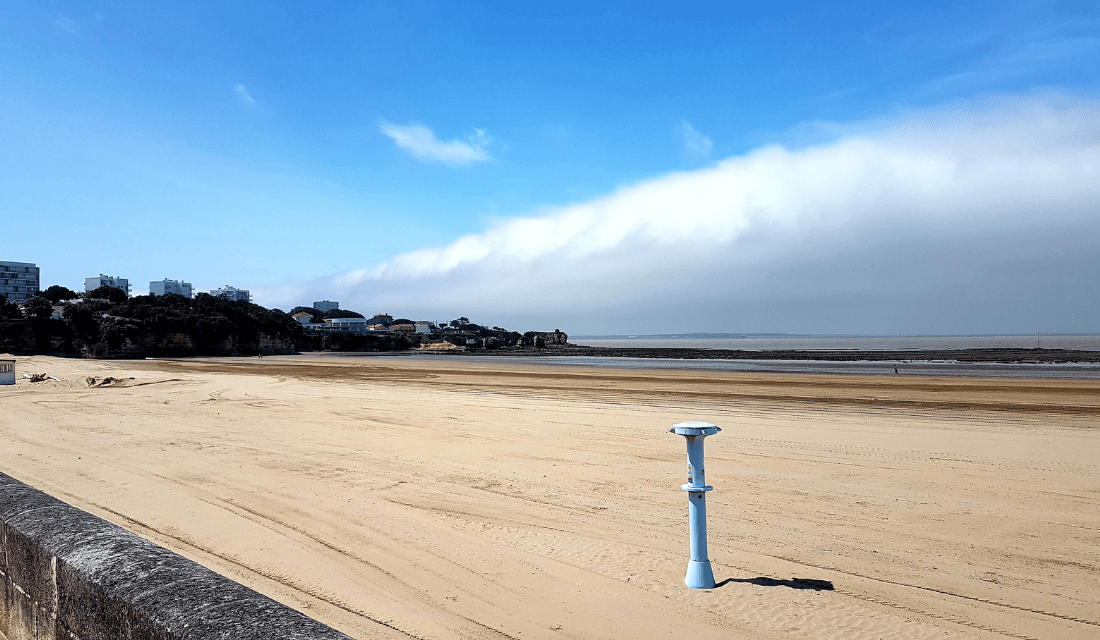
x=396, y=498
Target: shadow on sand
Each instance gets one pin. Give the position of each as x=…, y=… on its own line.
x=793, y=583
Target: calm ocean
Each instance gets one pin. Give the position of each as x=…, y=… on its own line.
x=1088, y=342
x=947, y=368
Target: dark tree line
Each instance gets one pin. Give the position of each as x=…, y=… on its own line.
x=106, y=324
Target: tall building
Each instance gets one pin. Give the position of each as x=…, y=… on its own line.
x=326, y=305
x=233, y=293
x=18, y=280
x=91, y=284
x=166, y=286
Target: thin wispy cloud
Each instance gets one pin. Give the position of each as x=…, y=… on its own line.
x=1010, y=64
x=996, y=54
x=243, y=95
x=921, y=221
x=66, y=23
x=697, y=147
x=422, y=143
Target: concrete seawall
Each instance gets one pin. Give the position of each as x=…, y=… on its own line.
x=66, y=574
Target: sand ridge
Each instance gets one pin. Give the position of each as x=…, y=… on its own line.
x=392, y=497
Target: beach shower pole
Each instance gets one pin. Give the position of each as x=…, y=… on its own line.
x=699, y=573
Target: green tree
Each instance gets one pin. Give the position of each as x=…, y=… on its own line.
x=37, y=308
x=342, y=313
x=113, y=295
x=56, y=293
x=8, y=309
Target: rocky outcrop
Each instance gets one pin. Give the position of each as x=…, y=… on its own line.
x=542, y=339
x=364, y=342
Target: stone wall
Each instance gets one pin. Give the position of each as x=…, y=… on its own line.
x=66, y=574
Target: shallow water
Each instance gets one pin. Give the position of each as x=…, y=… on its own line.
x=885, y=368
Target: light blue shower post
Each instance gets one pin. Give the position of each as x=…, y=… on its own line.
x=699, y=573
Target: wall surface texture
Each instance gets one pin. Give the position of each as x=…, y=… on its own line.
x=66, y=574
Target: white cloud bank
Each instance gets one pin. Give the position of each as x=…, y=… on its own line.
x=982, y=218
x=421, y=143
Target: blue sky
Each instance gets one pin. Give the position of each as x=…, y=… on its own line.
x=339, y=150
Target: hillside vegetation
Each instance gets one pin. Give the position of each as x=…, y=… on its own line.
x=113, y=326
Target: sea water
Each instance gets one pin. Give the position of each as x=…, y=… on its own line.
x=905, y=367
x=770, y=342
x=943, y=368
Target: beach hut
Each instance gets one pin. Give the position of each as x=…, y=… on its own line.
x=7, y=371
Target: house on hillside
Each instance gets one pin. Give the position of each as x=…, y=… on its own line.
x=91, y=284
x=232, y=293
x=348, y=325
x=166, y=286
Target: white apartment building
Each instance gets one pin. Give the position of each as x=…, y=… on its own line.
x=334, y=325
x=91, y=284
x=349, y=325
x=232, y=293
x=18, y=280
x=424, y=326
x=166, y=286
x=326, y=305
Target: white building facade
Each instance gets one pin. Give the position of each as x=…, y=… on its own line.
x=347, y=325
x=166, y=286
x=325, y=306
x=18, y=280
x=232, y=293
x=91, y=284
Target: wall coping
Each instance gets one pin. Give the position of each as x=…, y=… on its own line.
x=69, y=574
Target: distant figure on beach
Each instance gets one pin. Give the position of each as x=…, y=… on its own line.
x=896, y=370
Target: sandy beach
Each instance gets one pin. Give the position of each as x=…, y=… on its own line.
x=392, y=497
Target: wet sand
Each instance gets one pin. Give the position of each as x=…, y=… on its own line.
x=1000, y=355
x=400, y=498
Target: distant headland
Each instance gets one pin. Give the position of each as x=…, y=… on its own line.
x=105, y=322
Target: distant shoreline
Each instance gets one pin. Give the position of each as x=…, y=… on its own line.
x=794, y=336
x=995, y=355
x=992, y=355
